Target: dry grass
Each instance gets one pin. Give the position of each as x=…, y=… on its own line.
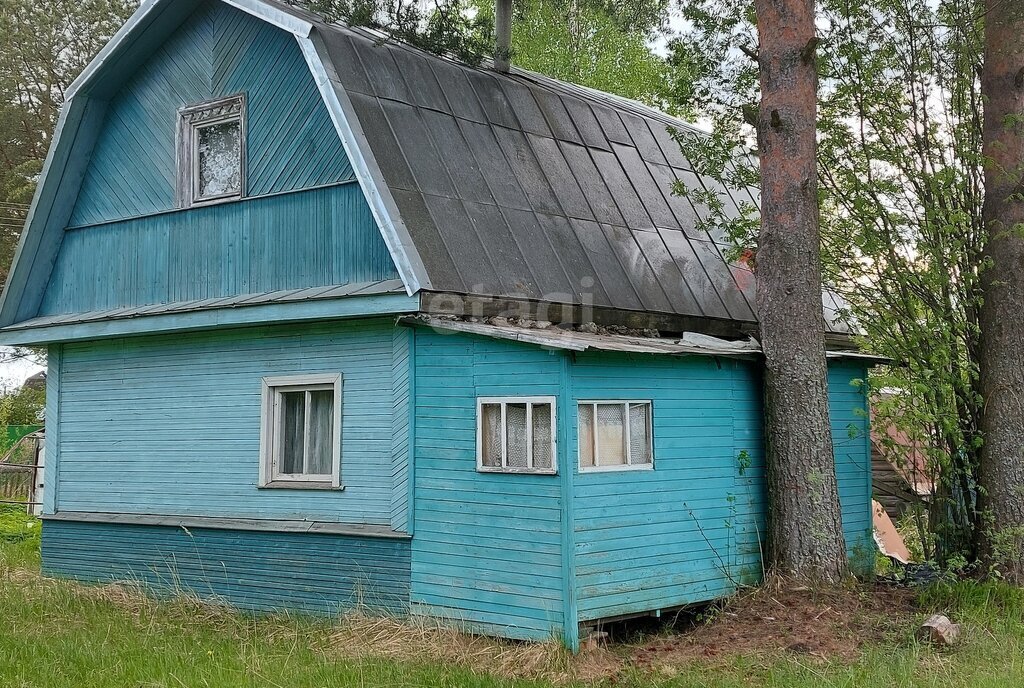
x=426, y=641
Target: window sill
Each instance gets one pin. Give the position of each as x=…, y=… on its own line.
x=616, y=469
x=517, y=471
x=300, y=485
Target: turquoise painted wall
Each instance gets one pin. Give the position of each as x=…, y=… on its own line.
x=127, y=245
x=679, y=533
x=219, y=51
x=487, y=550
x=252, y=570
x=851, y=440
x=171, y=424
x=690, y=530
x=307, y=239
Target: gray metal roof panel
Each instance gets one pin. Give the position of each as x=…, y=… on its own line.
x=563, y=182
x=469, y=255
x=495, y=168
x=645, y=282
x=469, y=180
x=608, y=270
x=589, y=179
x=425, y=162
x=562, y=126
x=519, y=185
x=520, y=96
x=527, y=170
x=516, y=275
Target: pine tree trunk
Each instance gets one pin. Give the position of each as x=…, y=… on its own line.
x=1002, y=314
x=805, y=533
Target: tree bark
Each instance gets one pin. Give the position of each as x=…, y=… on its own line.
x=805, y=533
x=1002, y=336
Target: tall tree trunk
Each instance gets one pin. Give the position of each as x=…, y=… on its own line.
x=805, y=522
x=1002, y=337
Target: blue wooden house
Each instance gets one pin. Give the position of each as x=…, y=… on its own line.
x=334, y=322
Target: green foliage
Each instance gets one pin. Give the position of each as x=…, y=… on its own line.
x=592, y=44
x=444, y=27
x=23, y=406
x=900, y=195
x=44, y=45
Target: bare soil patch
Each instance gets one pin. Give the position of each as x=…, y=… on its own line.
x=827, y=625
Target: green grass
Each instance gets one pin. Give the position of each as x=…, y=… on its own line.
x=56, y=633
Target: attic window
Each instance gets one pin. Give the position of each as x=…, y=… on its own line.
x=516, y=435
x=211, y=151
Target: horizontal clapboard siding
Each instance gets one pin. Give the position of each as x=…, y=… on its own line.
x=310, y=238
x=219, y=51
x=251, y=570
x=692, y=529
x=487, y=549
x=678, y=534
x=171, y=424
x=851, y=441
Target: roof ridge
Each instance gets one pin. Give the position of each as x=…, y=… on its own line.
x=606, y=98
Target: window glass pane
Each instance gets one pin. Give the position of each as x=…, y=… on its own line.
x=219, y=159
x=611, y=437
x=321, y=431
x=491, y=435
x=542, y=436
x=515, y=443
x=586, y=433
x=640, y=433
x=292, y=430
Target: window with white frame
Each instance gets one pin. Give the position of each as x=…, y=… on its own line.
x=615, y=435
x=211, y=151
x=301, y=440
x=516, y=435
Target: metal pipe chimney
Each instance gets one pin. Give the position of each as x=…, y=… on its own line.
x=503, y=35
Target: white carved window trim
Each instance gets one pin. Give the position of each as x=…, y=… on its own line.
x=632, y=464
x=193, y=118
x=531, y=460
x=270, y=429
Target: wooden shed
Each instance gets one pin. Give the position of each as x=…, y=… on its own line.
x=335, y=322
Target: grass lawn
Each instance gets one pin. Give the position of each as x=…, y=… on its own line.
x=57, y=633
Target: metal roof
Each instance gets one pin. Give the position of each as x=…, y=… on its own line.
x=243, y=300
x=690, y=343
x=521, y=186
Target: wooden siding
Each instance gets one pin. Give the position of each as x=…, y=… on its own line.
x=250, y=570
x=691, y=529
x=171, y=424
x=657, y=539
x=851, y=439
x=218, y=51
x=487, y=548
x=401, y=393
x=307, y=239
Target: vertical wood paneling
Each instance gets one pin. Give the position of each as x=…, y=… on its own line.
x=487, y=549
x=171, y=424
x=219, y=51
x=306, y=239
x=53, y=429
x=265, y=571
x=401, y=378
